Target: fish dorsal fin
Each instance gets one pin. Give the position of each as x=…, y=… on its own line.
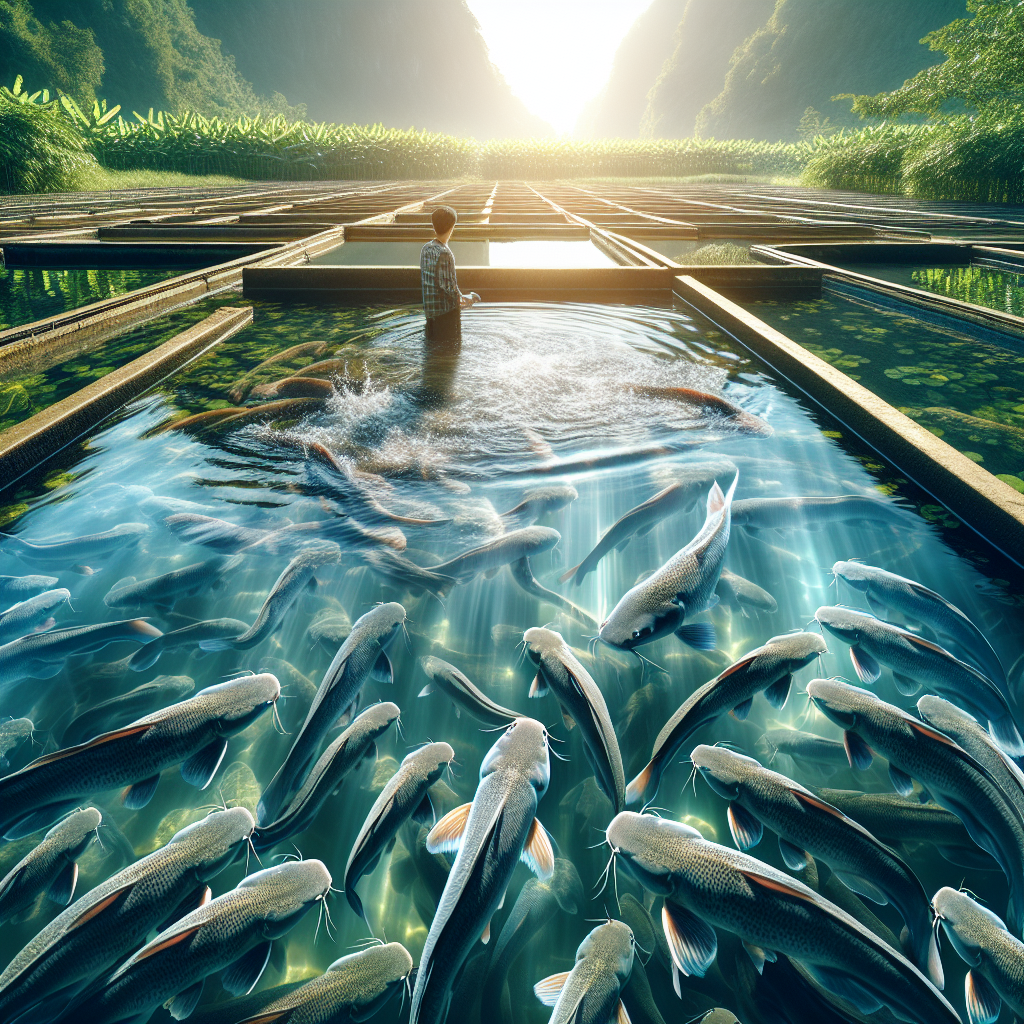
x=775, y=885
x=691, y=940
x=161, y=944
x=446, y=835
x=716, y=499
x=107, y=737
x=537, y=854
x=104, y=904
x=550, y=988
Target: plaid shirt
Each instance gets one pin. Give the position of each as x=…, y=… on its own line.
x=440, y=289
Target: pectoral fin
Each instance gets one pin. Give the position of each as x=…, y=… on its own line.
x=241, y=977
x=743, y=708
x=382, y=671
x=698, y=635
x=424, y=813
x=548, y=990
x=62, y=888
x=538, y=688
x=907, y=686
x=182, y=1005
x=901, y=781
x=446, y=835
x=868, y=670
x=691, y=940
x=862, y=886
x=38, y=819
x=537, y=854
x=567, y=720
x=746, y=830
x=778, y=693
x=983, y=1001
x=201, y=767
x=426, y=691
x=794, y=858
x=137, y=796
x=858, y=753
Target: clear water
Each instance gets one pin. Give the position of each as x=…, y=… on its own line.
x=31, y=294
x=464, y=437
x=967, y=390
x=540, y=253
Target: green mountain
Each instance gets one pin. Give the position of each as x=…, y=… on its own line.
x=810, y=50
x=616, y=111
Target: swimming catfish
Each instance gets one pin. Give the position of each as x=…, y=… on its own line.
x=355, y=745
x=117, y=711
x=582, y=704
x=463, y=694
x=13, y=733
x=886, y=593
x=298, y=575
x=683, y=587
x=915, y=662
x=233, y=934
x=73, y=552
x=490, y=557
x=51, y=867
x=21, y=588
x=758, y=515
x=164, y=591
x=107, y=923
x=405, y=795
x=362, y=653
x=193, y=733
x=186, y=638
x=995, y=957
x=740, y=594
x=589, y=993
x=768, y=668
x=540, y=501
x=522, y=572
x=31, y=615
x=491, y=835
x=707, y=886
x=807, y=825
x=951, y=775
x=353, y=988
x=806, y=749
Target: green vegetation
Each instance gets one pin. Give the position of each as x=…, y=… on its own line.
x=717, y=254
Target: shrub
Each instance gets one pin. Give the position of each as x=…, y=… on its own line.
x=870, y=160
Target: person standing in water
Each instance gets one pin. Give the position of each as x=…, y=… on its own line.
x=442, y=300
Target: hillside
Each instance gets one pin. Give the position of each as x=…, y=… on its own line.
x=419, y=63
x=616, y=111
x=808, y=51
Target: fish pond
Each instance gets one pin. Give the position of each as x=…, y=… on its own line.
x=452, y=439
x=520, y=253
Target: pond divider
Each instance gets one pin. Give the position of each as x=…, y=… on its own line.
x=25, y=445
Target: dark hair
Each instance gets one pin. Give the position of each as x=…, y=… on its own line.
x=444, y=219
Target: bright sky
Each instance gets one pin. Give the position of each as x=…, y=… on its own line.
x=556, y=54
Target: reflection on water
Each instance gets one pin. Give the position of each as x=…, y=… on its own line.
x=534, y=396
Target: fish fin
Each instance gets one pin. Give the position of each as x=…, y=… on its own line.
x=907, y=686
x=774, y=884
x=758, y=956
x=426, y=691
x=485, y=935
x=746, y=830
x=930, y=733
x=743, y=708
x=569, y=573
x=136, y=797
x=489, y=574
x=691, y=940
x=538, y=688
x=568, y=721
x=182, y=1005
x=862, y=886
x=983, y=1001
x=842, y=985
x=382, y=671
x=637, y=789
x=858, y=753
x=240, y=977
x=901, y=781
x=716, y=499
x=104, y=904
x=794, y=858
x=698, y=635
x=11, y=881
x=83, y=570
x=36, y=820
x=878, y=608
x=159, y=945
x=201, y=767
x=778, y=693
x=273, y=1017
x=623, y=544
x=458, y=710
x=867, y=668
x=550, y=988
x=199, y=897
x=103, y=738
x=1005, y=733
x=424, y=813
x=537, y=854
x=62, y=888
x=621, y=1014
x=446, y=835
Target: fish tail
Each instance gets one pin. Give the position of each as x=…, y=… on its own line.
x=569, y=573
x=1004, y=731
x=639, y=791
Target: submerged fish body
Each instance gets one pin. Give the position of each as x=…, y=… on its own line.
x=461, y=691
x=522, y=573
x=363, y=652
x=707, y=886
x=163, y=591
x=51, y=867
x=589, y=993
x=683, y=587
x=719, y=410
x=491, y=835
x=914, y=662
x=582, y=704
x=107, y=923
x=490, y=557
x=64, y=554
x=995, y=957
x=355, y=745
x=31, y=615
x=20, y=588
x=757, y=515
x=193, y=733
x=768, y=668
x=406, y=794
x=233, y=933
x=955, y=779
x=401, y=571
x=541, y=501
x=887, y=592
x=804, y=747
x=808, y=826
x=13, y=733
x=191, y=636
x=743, y=596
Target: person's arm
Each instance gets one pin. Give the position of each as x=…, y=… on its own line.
x=447, y=281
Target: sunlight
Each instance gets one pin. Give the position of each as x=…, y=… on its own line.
x=556, y=54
